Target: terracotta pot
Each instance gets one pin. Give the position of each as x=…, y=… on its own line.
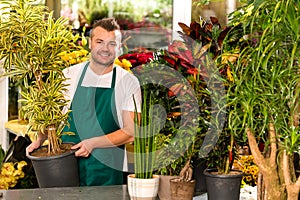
x=142, y=189
x=164, y=191
x=181, y=190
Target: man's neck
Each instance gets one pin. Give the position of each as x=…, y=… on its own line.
x=100, y=69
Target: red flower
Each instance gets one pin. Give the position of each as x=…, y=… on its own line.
x=138, y=58
x=143, y=58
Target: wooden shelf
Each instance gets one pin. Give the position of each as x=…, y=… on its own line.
x=19, y=129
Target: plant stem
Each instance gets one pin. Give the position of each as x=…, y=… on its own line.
x=53, y=146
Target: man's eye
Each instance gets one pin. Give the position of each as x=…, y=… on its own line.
x=112, y=44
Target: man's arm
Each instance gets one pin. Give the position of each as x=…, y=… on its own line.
x=116, y=138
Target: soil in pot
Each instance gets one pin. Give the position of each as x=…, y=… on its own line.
x=42, y=152
x=181, y=190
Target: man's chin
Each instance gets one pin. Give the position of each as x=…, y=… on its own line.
x=105, y=64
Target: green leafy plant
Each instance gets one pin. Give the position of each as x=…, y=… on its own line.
x=186, y=95
x=205, y=57
x=30, y=46
x=265, y=93
x=175, y=138
x=203, y=74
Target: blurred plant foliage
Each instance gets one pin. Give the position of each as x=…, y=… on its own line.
x=132, y=10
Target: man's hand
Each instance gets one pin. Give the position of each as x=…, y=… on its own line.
x=34, y=145
x=84, y=148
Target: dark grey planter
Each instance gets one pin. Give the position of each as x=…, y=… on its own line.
x=56, y=171
x=223, y=186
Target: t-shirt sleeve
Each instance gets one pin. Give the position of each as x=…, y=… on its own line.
x=132, y=96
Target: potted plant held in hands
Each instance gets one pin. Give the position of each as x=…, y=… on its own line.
x=143, y=184
x=30, y=46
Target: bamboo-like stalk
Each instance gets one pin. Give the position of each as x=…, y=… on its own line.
x=144, y=140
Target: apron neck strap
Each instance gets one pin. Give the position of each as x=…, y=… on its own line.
x=113, y=81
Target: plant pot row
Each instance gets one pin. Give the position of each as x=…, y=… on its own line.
x=62, y=171
x=219, y=187
x=166, y=187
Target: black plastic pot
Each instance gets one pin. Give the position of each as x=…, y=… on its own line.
x=56, y=171
x=223, y=186
x=199, y=166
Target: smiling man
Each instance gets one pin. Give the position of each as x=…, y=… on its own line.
x=101, y=99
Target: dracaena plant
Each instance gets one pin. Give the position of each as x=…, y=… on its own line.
x=30, y=45
x=265, y=93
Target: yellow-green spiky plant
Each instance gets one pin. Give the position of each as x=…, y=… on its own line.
x=30, y=44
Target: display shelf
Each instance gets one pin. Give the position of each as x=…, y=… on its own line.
x=19, y=129
x=116, y=192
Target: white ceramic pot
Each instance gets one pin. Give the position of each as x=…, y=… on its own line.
x=142, y=189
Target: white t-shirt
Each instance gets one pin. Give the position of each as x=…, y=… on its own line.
x=126, y=86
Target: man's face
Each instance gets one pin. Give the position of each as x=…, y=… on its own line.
x=103, y=45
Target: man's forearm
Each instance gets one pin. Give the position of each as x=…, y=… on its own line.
x=113, y=139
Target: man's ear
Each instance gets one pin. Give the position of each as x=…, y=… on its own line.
x=90, y=42
x=119, y=50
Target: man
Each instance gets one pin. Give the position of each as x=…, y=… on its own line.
x=102, y=105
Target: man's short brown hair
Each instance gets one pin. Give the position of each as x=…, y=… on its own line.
x=109, y=24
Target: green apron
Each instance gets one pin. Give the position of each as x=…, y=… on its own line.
x=94, y=114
